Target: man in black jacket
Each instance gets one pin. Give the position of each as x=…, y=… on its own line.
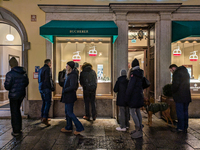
x=45, y=87
x=181, y=95
x=88, y=80
x=16, y=83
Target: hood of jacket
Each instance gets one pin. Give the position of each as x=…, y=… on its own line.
x=123, y=78
x=87, y=67
x=181, y=69
x=19, y=69
x=137, y=72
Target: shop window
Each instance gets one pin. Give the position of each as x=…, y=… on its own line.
x=186, y=53
x=96, y=51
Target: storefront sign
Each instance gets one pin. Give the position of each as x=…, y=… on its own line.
x=76, y=57
x=33, y=18
x=37, y=68
x=194, y=56
x=93, y=51
x=78, y=31
x=177, y=52
x=195, y=88
x=35, y=75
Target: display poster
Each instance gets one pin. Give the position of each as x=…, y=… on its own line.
x=99, y=72
x=35, y=75
x=37, y=68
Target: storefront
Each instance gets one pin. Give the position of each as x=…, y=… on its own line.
x=185, y=50
x=83, y=41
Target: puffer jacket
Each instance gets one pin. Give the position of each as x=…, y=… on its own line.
x=69, y=88
x=181, y=85
x=16, y=83
x=120, y=88
x=134, y=92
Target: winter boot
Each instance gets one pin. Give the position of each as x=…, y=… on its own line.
x=137, y=134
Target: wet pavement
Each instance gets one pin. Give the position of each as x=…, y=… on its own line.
x=99, y=135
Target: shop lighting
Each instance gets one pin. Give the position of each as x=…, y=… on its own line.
x=93, y=51
x=138, y=34
x=9, y=36
x=177, y=52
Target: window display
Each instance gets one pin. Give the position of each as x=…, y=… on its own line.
x=96, y=51
x=186, y=52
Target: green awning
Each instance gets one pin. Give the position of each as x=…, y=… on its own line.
x=183, y=29
x=61, y=28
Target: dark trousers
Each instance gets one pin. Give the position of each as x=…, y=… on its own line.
x=16, y=118
x=46, y=102
x=71, y=117
x=124, y=116
x=89, y=97
x=182, y=115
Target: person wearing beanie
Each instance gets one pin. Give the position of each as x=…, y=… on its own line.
x=13, y=62
x=16, y=82
x=135, y=98
x=120, y=88
x=69, y=97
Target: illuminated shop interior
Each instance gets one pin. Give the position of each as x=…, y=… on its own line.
x=93, y=50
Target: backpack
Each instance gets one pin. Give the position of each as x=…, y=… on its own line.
x=90, y=81
x=61, y=77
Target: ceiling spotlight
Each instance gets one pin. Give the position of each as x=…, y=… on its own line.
x=9, y=36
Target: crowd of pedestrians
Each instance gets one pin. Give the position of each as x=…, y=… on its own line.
x=129, y=89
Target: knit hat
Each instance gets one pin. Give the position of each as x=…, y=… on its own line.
x=123, y=72
x=135, y=62
x=13, y=62
x=71, y=64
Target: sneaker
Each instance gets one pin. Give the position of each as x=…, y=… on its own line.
x=120, y=129
x=46, y=122
x=65, y=131
x=86, y=118
x=16, y=134
x=137, y=134
x=77, y=132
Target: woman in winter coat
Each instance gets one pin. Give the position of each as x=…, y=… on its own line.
x=135, y=97
x=120, y=88
x=69, y=97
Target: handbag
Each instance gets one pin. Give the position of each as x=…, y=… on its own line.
x=145, y=83
x=52, y=85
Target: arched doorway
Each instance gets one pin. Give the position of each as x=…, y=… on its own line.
x=18, y=48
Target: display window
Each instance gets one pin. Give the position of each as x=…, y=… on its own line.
x=186, y=53
x=96, y=51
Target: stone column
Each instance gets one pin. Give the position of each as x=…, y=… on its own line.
x=162, y=53
x=121, y=45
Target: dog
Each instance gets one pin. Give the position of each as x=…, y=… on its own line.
x=153, y=108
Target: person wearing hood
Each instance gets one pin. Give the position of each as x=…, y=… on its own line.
x=16, y=83
x=120, y=88
x=88, y=80
x=135, y=97
x=181, y=95
x=69, y=97
x=45, y=87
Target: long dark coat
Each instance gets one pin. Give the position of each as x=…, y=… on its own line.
x=120, y=88
x=16, y=83
x=181, y=85
x=134, y=92
x=70, y=87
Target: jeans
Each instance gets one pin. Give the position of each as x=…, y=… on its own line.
x=16, y=118
x=182, y=115
x=124, y=116
x=89, y=97
x=46, y=102
x=71, y=117
x=137, y=118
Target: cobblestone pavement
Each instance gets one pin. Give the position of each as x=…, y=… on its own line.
x=99, y=135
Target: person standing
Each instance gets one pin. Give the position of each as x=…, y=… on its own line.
x=69, y=97
x=45, y=87
x=120, y=88
x=88, y=80
x=16, y=83
x=135, y=97
x=181, y=95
